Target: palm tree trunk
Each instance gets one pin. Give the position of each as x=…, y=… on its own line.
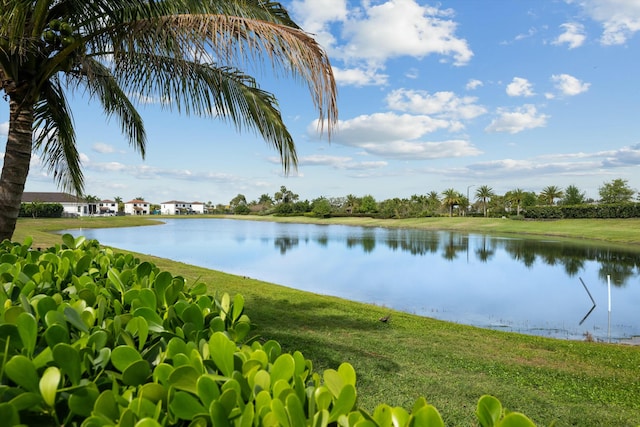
x=15, y=169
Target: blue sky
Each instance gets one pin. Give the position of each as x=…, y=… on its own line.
x=432, y=95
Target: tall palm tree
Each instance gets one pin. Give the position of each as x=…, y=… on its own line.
x=484, y=193
x=516, y=196
x=191, y=55
x=550, y=193
x=433, y=201
x=451, y=198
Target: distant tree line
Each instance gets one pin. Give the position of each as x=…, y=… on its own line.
x=552, y=202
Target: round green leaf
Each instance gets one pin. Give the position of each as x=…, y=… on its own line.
x=56, y=334
x=154, y=321
x=9, y=415
x=488, y=410
x=516, y=419
x=345, y=403
x=185, y=406
x=208, y=389
x=68, y=359
x=45, y=305
x=136, y=373
x=82, y=400
x=148, y=422
x=283, y=368
x=49, y=385
x=154, y=392
x=123, y=356
x=347, y=373
x=107, y=406
x=221, y=349
x=238, y=307
x=10, y=336
x=185, y=378
x=23, y=372
x=218, y=414
x=427, y=416
x=26, y=401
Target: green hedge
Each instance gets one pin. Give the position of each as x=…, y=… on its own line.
x=609, y=211
x=41, y=210
x=90, y=337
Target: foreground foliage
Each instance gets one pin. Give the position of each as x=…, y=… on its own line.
x=96, y=338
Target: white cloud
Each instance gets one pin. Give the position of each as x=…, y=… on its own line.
x=398, y=136
x=522, y=118
x=359, y=77
x=419, y=150
x=109, y=167
x=403, y=28
x=473, y=84
x=625, y=156
x=569, y=85
x=315, y=17
x=441, y=104
x=337, y=162
x=103, y=148
x=568, y=164
x=573, y=35
x=620, y=19
x=4, y=129
x=520, y=87
x=366, y=36
x=384, y=127
x=532, y=32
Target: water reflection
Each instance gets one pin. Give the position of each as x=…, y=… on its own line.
x=621, y=265
x=523, y=285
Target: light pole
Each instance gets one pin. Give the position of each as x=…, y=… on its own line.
x=469, y=201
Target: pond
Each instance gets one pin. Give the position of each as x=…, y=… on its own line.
x=548, y=287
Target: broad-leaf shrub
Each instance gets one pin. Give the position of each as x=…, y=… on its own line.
x=90, y=337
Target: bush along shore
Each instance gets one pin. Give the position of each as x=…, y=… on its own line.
x=92, y=337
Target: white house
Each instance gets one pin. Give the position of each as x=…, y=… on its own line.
x=176, y=207
x=136, y=207
x=199, y=207
x=107, y=207
x=72, y=205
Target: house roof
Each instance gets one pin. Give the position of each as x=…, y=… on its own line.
x=136, y=201
x=29, y=197
x=174, y=202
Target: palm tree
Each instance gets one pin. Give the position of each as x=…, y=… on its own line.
x=451, y=198
x=119, y=203
x=516, y=196
x=484, y=193
x=433, y=201
x=191, y=55
x=550, y=193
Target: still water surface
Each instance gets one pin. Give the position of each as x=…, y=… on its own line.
x=507, y=283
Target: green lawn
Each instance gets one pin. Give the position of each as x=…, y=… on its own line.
x=569, y=382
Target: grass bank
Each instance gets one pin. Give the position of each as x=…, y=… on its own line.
x=572, y=383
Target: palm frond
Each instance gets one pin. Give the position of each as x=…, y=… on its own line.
x=205, y=90
x=242, y=42
x=56, y=138
x=101, y=83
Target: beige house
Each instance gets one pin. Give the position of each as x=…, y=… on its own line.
x=137, y=207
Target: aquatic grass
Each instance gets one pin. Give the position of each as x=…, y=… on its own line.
x=452, y=365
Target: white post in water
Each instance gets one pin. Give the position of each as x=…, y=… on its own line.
x=609, y=292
